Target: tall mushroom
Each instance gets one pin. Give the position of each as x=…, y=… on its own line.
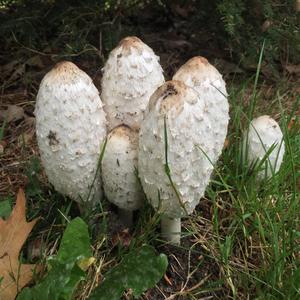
x=119, y=166
x=173, y=169
x=131, y=74
x=70, y=128
x=199, y=74
x=264, y=133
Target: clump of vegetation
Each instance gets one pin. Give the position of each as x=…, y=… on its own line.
x=72, y=28
x=248, y=23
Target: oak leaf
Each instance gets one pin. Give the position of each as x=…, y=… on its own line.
x=13, y=233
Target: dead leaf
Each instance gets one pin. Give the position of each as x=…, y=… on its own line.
x=8, y=69
x=35, y=249
x=294, y=124
x=266, y=25
x=178, y=44
x=226, y=67
x=291, y=124
x=18, y=73
x=35, y=61
x=293, y=69
x=30, y=121
x=3, y=144
x=168, y=280
x=226, y=143
x=25, y=138
x=123, y=238
x=12, y=113
x=297, y=5
x=13, y=233
x=183, y=10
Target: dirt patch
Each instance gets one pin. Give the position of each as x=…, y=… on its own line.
x=188, y=271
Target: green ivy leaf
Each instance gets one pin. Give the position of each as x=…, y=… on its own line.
x=139, y=270
x=64, y=268
x=75, y=244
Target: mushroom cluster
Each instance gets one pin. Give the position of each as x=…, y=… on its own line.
x=72, y=123
x=186, y=122
x=131, y=74
x=163, y=141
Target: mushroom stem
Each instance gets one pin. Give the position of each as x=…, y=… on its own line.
x=171, y=229
x=126, y=217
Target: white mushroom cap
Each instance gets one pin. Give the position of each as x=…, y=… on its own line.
x=70, y=127
x=119, y=166
x=263, y=133
x=187, y=133
x=199, y=74
x=131, y=74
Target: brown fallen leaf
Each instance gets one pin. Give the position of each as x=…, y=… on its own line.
x=168, y=280
x=123, y=238
x=35, y=61
x=293, y=69
x=297, y=5
x=12, y=113
x=25, y=138
x=3, y=144
x=13, y=233
x=35, y=248
x=266, y=25
x=182, y=9
x=8, y=69
x=226, y=67
x=226, y=143
x=293, y=124
x=18, y=72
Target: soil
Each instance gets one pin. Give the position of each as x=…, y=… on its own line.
x=182, y=261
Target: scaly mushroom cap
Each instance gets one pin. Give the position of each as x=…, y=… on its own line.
x=70, y=128
x=131, y=74
x=187, y=134
x=263, y=133
x=199, y=74
x=119, y=164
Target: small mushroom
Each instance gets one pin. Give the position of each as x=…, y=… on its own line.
x=264, y=133
x=70, y=128
x=119, y=172
x=171, y=137
x=131, y=74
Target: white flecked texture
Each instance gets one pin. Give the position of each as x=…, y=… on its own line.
x=70, y=128
x=199, y=74
x=119, y=166
x=187, y=133
x=263, y=133
x=131, y=74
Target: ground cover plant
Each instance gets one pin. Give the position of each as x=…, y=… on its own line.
x=243, y=239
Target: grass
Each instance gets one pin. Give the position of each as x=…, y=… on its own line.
x=258, y=247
